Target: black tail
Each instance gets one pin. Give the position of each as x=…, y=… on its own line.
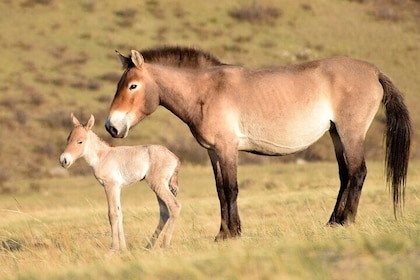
x=397, y=140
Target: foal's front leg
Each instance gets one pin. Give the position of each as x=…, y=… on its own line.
x=113, y=194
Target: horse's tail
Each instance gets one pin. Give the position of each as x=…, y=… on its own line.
x=397, y=140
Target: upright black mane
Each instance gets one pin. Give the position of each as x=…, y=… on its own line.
x=179, y=57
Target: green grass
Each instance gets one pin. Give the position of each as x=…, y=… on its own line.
x=63, y=232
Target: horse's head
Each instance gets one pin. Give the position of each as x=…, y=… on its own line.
x=131, y=101
x=76, y=142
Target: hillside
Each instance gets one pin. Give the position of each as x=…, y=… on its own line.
x=58, y=57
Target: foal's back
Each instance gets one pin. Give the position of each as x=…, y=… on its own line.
x=130, y=164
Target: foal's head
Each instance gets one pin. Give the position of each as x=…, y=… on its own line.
x=76, y=142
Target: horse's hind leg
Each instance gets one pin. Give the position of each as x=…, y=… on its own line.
x=343, y=173
x=352, y=171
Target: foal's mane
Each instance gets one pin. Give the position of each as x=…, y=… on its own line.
x=182, y=57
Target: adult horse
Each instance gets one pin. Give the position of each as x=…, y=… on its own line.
x=269, y=111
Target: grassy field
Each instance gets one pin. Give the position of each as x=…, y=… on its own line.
x=58, y=57
x=62, y=230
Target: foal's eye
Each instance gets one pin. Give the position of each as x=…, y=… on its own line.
x=79, y=142
x=133, y=86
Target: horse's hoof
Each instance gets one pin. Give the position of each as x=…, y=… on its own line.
x=335, y=224
x=222, y=236
x=227, y=235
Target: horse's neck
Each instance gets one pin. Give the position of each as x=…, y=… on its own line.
x=177, y=91
x=95, y=149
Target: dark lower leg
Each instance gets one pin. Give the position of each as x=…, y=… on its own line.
x=227, y=188
x=224, y=231
x=343, y=171
x=348, y=199
x=234, y=220
x=224, y=213
x=355, y=191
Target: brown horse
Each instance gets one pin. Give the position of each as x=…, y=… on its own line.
x=269, y=111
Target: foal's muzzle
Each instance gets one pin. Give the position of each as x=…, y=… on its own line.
x=66, y=160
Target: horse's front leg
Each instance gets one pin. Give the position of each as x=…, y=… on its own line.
x=225, y=174
x=113, y=194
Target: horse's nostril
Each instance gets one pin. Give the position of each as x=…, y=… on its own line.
x=112, y=130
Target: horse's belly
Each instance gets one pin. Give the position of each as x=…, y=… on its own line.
x=276, y=141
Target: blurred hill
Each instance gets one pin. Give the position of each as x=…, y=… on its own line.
x=58, y=57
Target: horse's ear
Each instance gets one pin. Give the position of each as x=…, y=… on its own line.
x=74, y=120
x=137, y=58
x=125, y=61
x=90, y=123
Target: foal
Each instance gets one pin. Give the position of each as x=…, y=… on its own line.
x=115, y=167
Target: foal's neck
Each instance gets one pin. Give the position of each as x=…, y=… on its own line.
x=95, y=149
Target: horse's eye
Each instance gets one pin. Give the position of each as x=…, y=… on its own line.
x=79, y=142
x=134, y=86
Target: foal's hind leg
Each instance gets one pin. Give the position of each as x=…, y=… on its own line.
x=352, y=171
x=169, y=209
x=173, y=182
x=163, y=218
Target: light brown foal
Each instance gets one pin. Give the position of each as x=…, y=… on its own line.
x=115, y=167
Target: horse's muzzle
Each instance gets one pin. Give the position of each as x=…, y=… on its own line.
x=114, y=132
x=111, y=130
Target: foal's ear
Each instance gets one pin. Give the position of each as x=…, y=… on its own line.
x=137, y=58
x=74, y=120
x=125, y=61
x=90, y=123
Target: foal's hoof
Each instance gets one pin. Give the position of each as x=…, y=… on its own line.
x=111, y=253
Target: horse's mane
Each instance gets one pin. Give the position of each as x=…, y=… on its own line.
x=179, y=57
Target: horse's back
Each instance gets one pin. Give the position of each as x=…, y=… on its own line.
x=283, y=110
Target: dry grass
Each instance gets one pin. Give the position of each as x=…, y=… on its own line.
x=58, y=229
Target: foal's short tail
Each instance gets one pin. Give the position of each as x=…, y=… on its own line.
x=397, y=140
